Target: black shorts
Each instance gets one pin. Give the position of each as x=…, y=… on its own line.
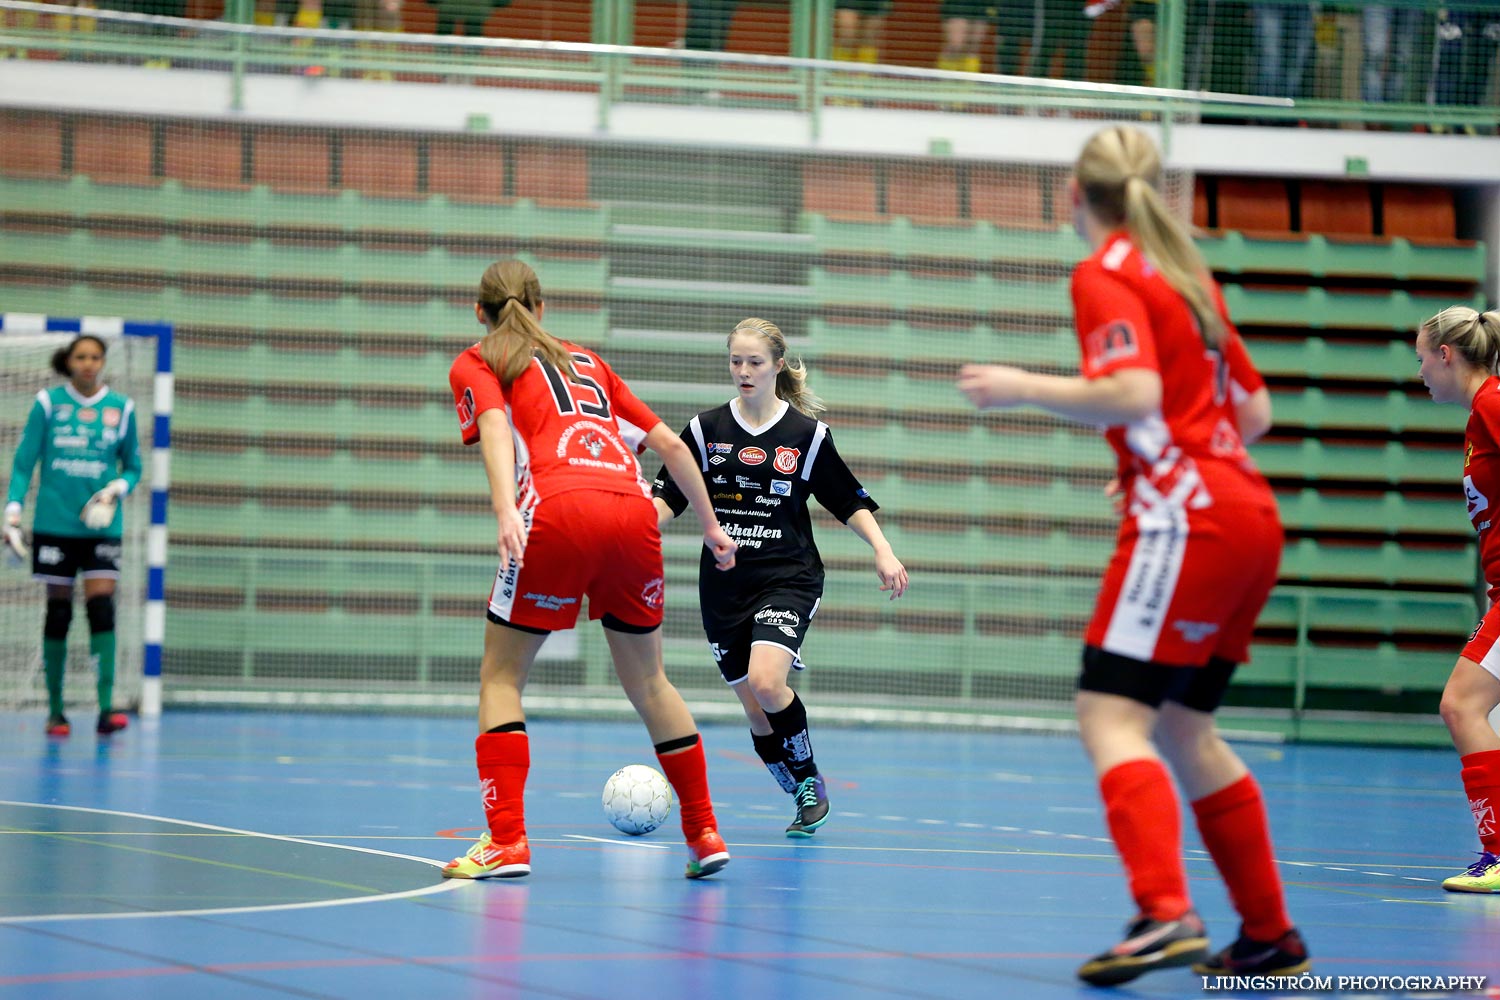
x=1150, y=683
x=781, y=620
x=59, y=558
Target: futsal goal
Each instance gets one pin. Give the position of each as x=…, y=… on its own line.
x=138, y=364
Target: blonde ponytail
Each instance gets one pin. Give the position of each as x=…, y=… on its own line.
x=1119, y=173
x=1474, y=335
x=791, y=381
x=509, y=294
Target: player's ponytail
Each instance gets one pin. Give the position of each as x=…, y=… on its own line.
x=509, y=294
x=1475, y=336
x=1119, y=173
x=791, y=381
x=62, y=354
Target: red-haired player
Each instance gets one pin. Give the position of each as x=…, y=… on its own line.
x=559, y=432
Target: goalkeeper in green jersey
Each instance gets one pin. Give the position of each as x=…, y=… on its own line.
x=83, y=434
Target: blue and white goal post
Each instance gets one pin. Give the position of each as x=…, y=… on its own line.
x=27, y=342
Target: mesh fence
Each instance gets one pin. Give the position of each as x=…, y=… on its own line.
x=332, y=539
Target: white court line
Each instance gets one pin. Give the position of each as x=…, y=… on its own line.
x=445, y=885
x=622, y=843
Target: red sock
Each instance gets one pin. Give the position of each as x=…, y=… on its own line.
x=1233, y=824
x=1481, y=776
x=504, y=759
x=1141, y=808
x=687, y=770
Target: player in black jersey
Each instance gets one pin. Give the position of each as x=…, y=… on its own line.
x=762, y=455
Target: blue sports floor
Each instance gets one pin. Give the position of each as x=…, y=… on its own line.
x=227, y=855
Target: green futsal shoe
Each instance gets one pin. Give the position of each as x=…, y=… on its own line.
x=1482, y=876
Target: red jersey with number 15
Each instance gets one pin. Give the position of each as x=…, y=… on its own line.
x=569, y=435
x=1482, y=477
x=1188, y=455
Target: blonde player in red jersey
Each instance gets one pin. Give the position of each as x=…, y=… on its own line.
x=1459, y=351
x=559, y=432
x=1167, y=376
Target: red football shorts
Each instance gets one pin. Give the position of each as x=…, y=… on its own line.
x=1182, y=595
x=1483, y=646
x=585, y=543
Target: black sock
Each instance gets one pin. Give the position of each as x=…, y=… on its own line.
x=769, y=749
x=790, y=727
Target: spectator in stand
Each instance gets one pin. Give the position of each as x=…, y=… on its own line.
x=1390, y=36
x=963, y=34
x=1283, y=47
x=857, y=27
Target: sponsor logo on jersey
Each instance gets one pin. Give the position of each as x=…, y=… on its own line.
x=751, y=536
x=728, y=496
x=652, y=592
x=720, y=448
x=48, y=555
x=746, y=483
x=717, y=481
x=78, y=468
x=781, y=487
x=769, y=501
x=466, y=409
x=788, y=630
x=549, y=602
x=775, y=616
x=862, y=493
x=786, y=460
x=108, y=551
x=1111, y=342
x=111, y=417
x=65, y=411
x=718, y=460
x=752, y=455
x=1195, y=632
x=594, y=439
x=70, y=440
x=87, y=415
x=592, y=443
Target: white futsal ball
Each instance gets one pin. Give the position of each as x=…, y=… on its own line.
x=637, y=799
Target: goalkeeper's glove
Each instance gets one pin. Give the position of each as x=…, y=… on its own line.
x=99, y=512
x=16, y=551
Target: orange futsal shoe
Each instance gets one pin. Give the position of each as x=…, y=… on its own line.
x=706, y=854
x=485, y=860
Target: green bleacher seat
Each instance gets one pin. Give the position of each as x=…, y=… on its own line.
x=1392, y=513
x=261, y=412
x=1383, y=461
x=1318, y=256
x=1389, y=562
x=1393, y=411
x=1320, y=309
x=1320, y=358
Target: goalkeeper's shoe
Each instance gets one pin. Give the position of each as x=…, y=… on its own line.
x=111, y=722
x=1482, y=876
x=485, y=860
x=706, y=854
x=57, y=725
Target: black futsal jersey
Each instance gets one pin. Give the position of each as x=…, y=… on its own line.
x=759, y=480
